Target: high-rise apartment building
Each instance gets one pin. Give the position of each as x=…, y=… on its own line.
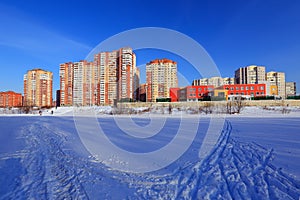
x=277, y=79
x=10, y=99
x=161, y=75
x=250, y=75
x=290, y=88
x=38, y=88
x=127, y=64
x=66, y=83
x=215, y=81
x=118, y=76
x=78, y=83
x=111, y=77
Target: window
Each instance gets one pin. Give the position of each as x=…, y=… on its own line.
x=247, y=88
x=199, y=89
x=242, y=88
x=262, y=87
x=237, y=88
x=231, y=88
x=252, y=88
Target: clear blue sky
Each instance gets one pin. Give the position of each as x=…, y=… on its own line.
x=43, y=34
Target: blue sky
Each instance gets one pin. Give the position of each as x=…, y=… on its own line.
x=43, y=34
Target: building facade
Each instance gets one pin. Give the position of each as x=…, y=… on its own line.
x=250, y=75
x=10, y=99
x=194, y=93
x=66, y=83
x=224, y=92
x=129, y=75
x=161, y=75
x=215, y=81
x=38, y=85
x=290, y=89
x=174, y=94
x=111, y=77
x=277, y=79
x=251, y=90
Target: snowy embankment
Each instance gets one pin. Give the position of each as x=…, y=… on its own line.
x=42, y=157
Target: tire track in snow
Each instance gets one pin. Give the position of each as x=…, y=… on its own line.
x=233, y=170
x=49, y=171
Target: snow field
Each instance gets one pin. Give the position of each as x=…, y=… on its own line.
x=254, y=158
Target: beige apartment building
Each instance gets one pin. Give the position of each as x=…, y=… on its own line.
x=214, y=81
x=252, y=74
x=161, y=75
x=277, y=79
x=38, y=88
x=290, y=88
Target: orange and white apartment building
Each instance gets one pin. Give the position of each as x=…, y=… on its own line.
x=111, y=77
x=161, y=75
x=38, y=85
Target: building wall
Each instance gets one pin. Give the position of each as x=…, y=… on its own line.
x=214, y=103
x=194, y=93
x=290, y=88
x=10, y=99
x=220, y=94
x=277, y=79
x=142, y=92
x=161, y=75
x=273, y=90
x=246, y=89
x=38, y=88
x=174, y=94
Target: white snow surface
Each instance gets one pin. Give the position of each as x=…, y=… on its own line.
x=257, y=156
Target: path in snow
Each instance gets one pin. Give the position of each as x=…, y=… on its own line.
x=233, y=170
x=51, y=168
x=52, y=171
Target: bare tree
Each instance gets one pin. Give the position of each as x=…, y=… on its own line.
x=284, y=108
x=208, y=108
x=229, y=108
x=235, y=106
x=238, y=105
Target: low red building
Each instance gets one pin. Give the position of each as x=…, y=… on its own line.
x=174, y=94
x=10, y=99
x=194, y=93
x=252, y=90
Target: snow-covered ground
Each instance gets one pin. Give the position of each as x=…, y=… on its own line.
x=257, y=157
